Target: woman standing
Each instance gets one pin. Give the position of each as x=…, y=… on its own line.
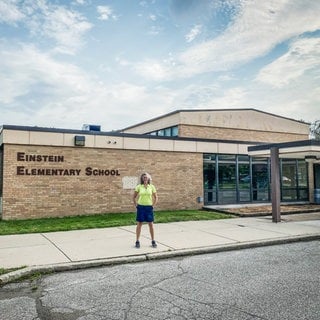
x=146, y=194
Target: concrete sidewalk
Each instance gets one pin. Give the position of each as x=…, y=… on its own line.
x=59, y=251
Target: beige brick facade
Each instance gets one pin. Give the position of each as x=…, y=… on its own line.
x=238, y=134
x=44, y=174
x=69, y=187
x=227, y=124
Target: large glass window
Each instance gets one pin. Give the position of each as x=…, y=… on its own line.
x=294, y=182
x=226, y=178
x=240, y=179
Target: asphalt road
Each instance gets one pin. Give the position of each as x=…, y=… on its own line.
x=275, y=282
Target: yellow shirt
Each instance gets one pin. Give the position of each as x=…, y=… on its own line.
x=145, y=194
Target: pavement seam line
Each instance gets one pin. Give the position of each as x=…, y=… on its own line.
x=146, y=237
x=56, y=247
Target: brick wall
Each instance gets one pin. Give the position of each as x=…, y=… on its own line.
x=237, y=134
x=177, y=176
x=1, y=174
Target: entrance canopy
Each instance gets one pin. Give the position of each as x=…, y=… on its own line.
x=305, y=149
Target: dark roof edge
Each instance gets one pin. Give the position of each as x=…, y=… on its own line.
x=291, y=144
x=119, y=134
x=205, y=110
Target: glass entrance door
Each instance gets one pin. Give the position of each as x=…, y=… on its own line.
x=209, y=178
x=244, y=182
x=288, y=182
x=316, y=168
x=227, y=181
x=260, y=182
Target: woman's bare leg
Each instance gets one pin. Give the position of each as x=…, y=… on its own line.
x=138, y=230
x=151, y=229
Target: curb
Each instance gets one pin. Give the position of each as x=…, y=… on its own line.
x=61, y=267
x=231, y=247
x=68, y=266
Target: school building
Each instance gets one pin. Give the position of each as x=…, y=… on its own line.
x=196, y=158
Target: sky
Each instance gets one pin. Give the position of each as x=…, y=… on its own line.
x=117, y=63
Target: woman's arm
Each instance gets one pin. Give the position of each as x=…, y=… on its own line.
x=135, y=198
x=154, y=198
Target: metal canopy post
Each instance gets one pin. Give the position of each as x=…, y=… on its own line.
x=275, y=184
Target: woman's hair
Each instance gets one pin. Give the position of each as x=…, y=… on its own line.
x=145, y=174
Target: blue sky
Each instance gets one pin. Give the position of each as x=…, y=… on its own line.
x=116, y=63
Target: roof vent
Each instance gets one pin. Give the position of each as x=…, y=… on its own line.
x=91, y=127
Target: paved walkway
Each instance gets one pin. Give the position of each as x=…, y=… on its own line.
x=59, y=251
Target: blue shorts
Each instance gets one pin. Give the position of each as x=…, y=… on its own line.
x=144, y=213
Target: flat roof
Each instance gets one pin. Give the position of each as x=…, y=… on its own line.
x=117, y=134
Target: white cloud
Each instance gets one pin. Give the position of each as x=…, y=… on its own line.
x=66, y=27
x=153, y=69
x=303, y=55
x=211, y=96
x=122, y=62
x=105, y=13
x=152, y=17
x=256, y=30
x=194, y=32
x=25, y=69
x=80, y=2
x=38, y=90
x=253, y=34
x=154, y=30
x=9, y=12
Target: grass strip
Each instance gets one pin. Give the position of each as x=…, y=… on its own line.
x=100, y=221
x=4, y=271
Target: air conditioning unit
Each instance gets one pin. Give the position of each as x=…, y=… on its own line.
x=91, y=127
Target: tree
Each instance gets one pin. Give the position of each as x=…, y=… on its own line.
x=315, y=130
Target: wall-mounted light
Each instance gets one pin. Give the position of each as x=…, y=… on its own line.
x=79, y=141
x=199, y=199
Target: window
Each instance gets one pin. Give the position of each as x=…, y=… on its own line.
x=166, y=132
x=174, y=131
x=294, y=182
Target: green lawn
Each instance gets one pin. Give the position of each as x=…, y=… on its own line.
x=4, y=271
x=100, y=221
